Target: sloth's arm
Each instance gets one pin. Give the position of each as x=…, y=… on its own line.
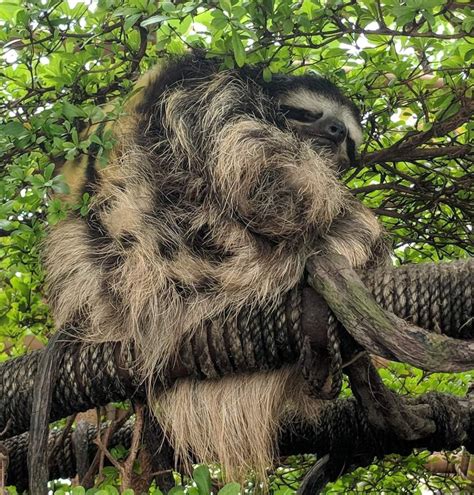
x=357, y=235
x=281, y=188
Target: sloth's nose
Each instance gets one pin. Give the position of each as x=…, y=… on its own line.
x=334, y=129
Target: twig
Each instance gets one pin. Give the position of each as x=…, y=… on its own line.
x=126, y=468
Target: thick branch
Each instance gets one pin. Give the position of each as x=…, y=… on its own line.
x=95, y=375
x=342, y=431
x=379, y=331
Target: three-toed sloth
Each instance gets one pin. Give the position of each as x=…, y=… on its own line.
x=218, y=188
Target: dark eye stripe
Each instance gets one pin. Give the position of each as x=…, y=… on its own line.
x=351, y=150
x=300, y=114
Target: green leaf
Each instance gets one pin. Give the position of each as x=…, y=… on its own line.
x=71, y=111
x=168, y=6
x=14, y=129
x=468, y=24
x=267, y=74
x=220, y=22
x=230, y=489
x=202, y=477
x=36, y=180
x=470, y=53
x=131, y=20
x=238, y=48
x=48, y=171
x=9, y=10
x=154, y=19
x=6, y=225
x=226, y=5
x=177, y=490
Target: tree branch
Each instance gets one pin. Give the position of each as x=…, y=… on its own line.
x=379, y=331
x=407, y=154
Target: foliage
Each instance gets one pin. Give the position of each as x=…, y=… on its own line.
x=392, y=475
x=406, y=64
x=201, y=483
x=397, y=475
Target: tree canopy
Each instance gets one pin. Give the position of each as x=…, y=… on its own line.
x=407, y=65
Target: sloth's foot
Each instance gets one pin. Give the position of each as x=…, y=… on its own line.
x=385, y=409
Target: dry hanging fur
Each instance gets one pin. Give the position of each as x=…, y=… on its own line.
x=214, y=196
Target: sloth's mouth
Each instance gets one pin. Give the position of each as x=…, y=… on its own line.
x=325, y=143
x=320, y=141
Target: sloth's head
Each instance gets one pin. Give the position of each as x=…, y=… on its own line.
x=317, y=111
x=310, y=106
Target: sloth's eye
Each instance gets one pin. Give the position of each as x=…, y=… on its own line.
x=300, y=114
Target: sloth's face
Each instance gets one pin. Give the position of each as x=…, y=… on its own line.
x=329, y=124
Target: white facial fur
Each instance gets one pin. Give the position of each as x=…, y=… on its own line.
x=313, y=102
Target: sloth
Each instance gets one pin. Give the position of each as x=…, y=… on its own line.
x=218, y=188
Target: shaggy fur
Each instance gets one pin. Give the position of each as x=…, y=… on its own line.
x=210, y=202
